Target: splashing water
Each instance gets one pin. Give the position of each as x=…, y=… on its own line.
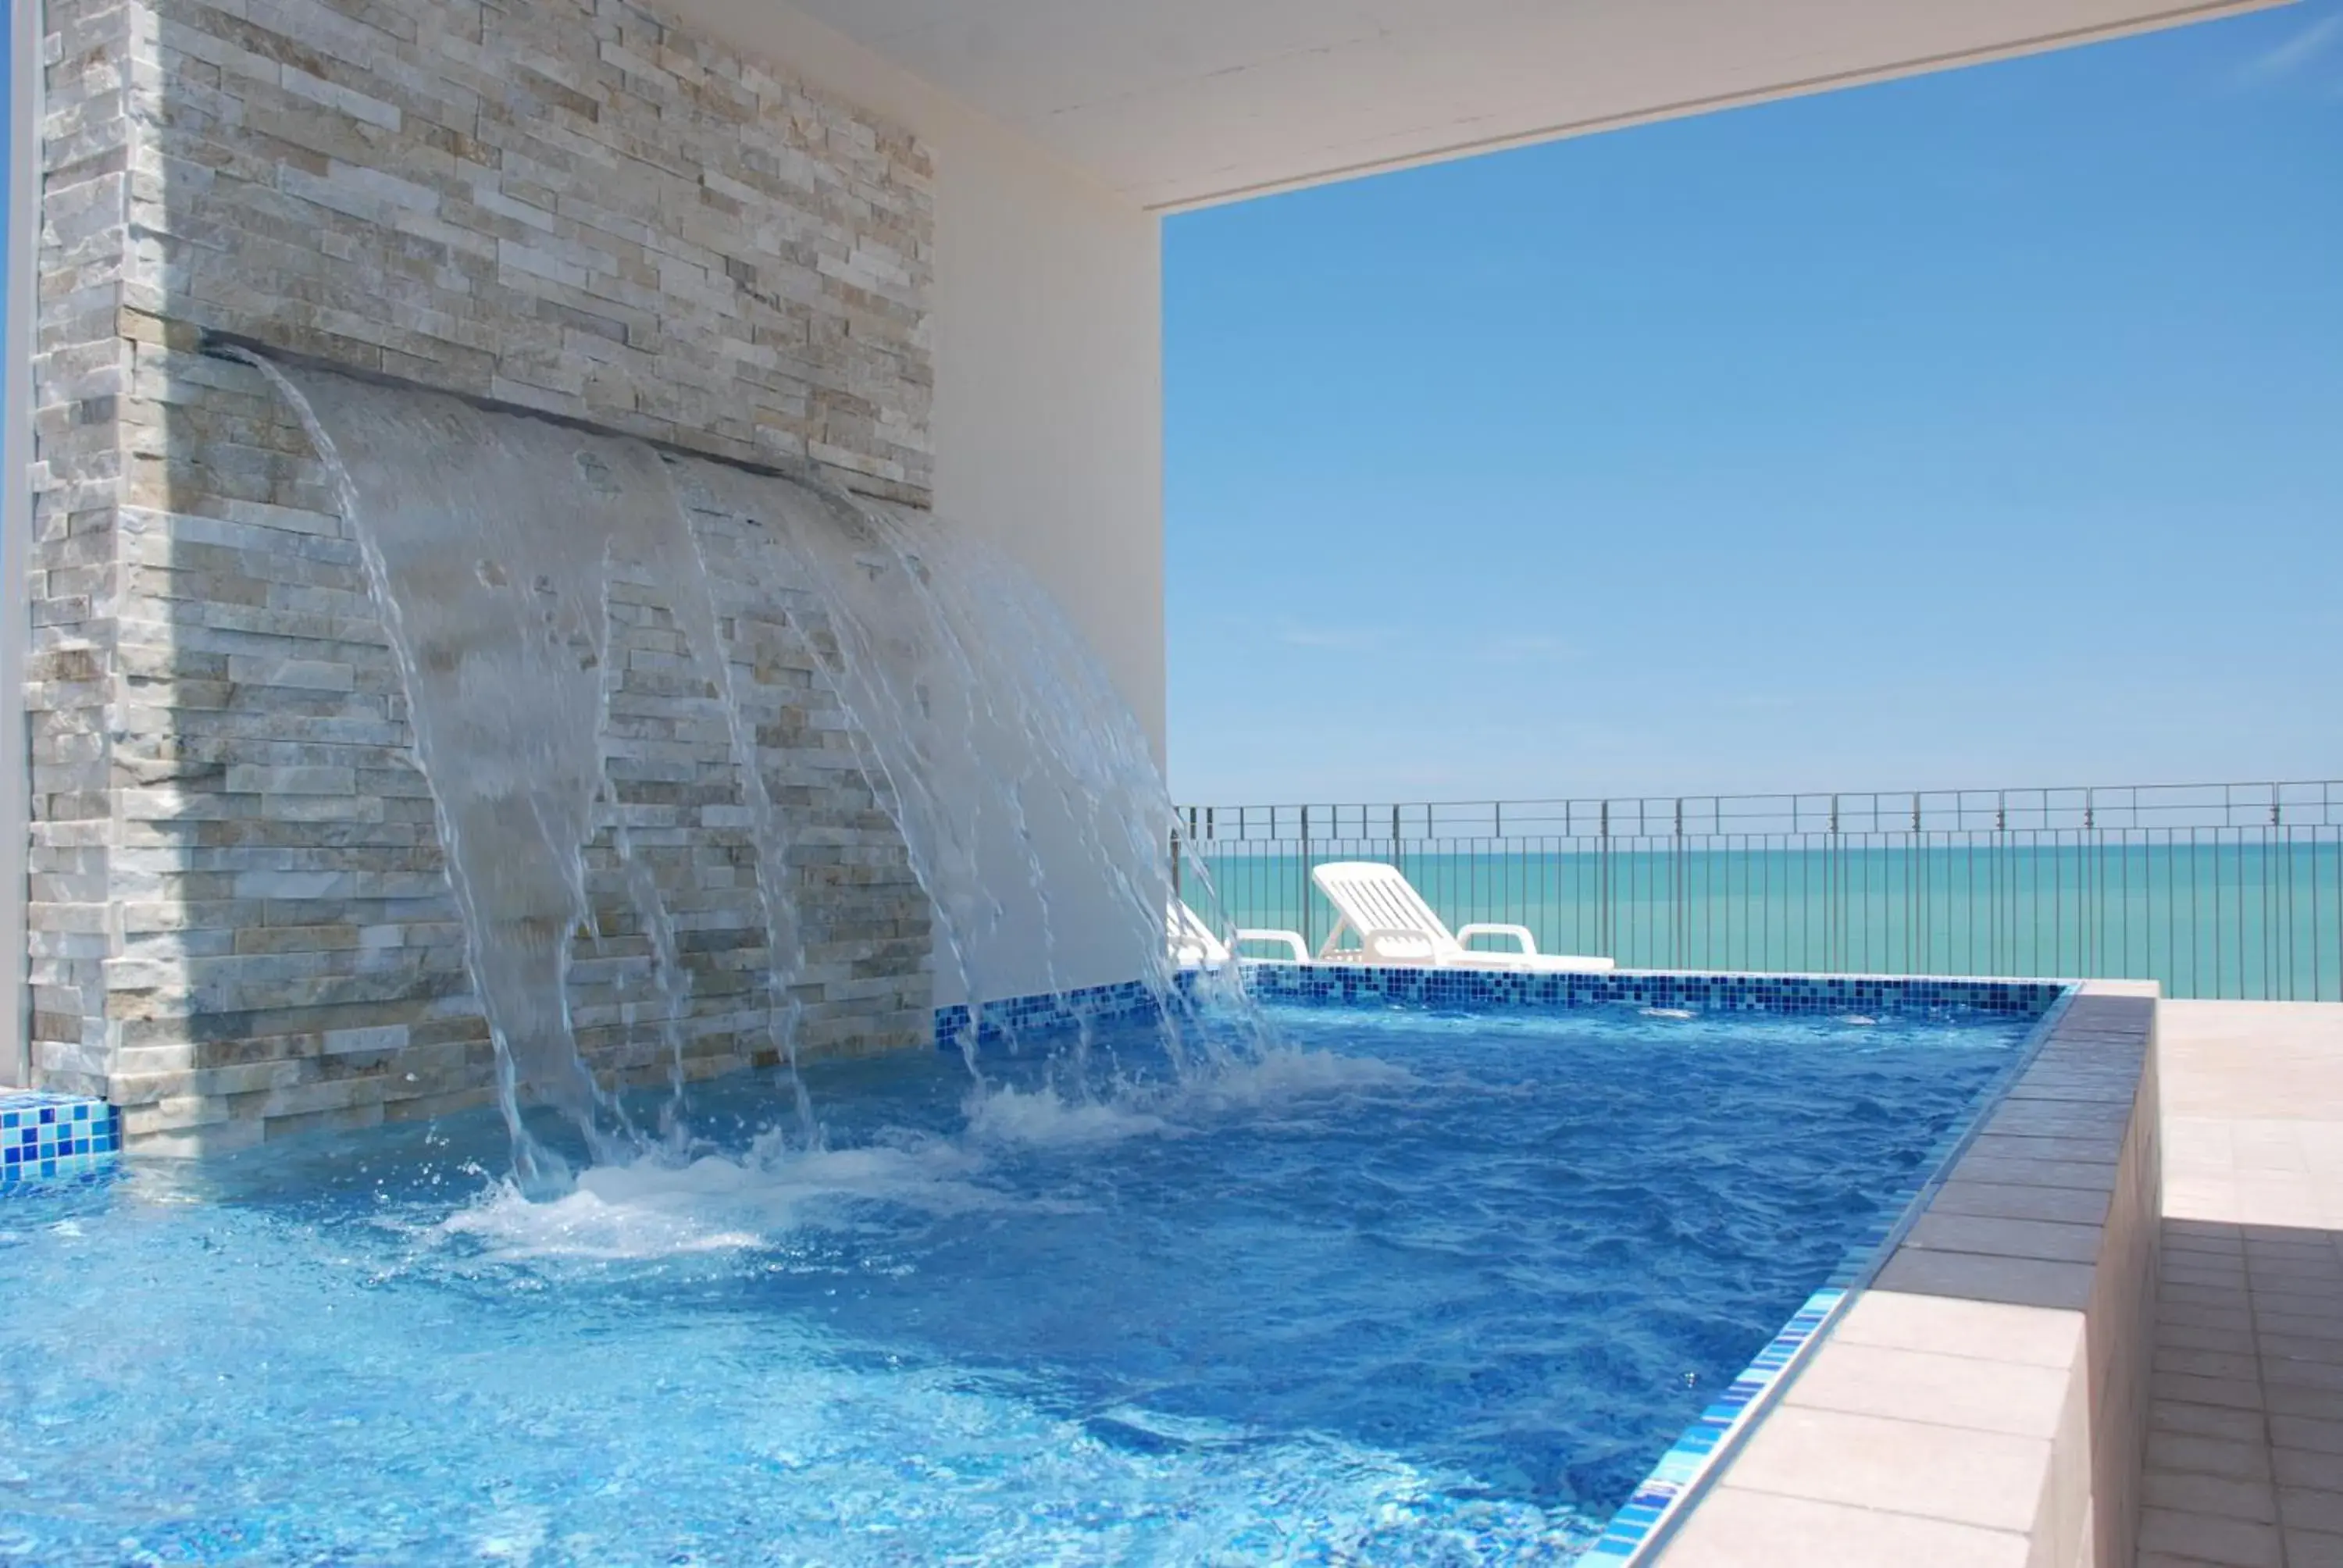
x=496, y=545
x=983, y=717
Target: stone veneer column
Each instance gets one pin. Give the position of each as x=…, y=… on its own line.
x=241, y=922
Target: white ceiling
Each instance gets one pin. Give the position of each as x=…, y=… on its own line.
x=1185, y=101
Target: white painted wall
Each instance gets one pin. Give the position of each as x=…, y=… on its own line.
x=1048, y=415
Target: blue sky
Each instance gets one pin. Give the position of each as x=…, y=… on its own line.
x=1983, y=429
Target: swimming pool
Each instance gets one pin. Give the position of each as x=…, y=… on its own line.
x=1417, y=1287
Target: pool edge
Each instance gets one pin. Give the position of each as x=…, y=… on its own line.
x=1647, y=1521
x=1986, y=1398
x=47, y=1137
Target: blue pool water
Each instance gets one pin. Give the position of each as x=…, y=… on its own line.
x=1411, y=1289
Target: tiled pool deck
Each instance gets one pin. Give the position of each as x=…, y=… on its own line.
x=2245, y=1451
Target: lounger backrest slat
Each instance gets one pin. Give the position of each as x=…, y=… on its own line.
x=1191, y=936
x=1372, y=896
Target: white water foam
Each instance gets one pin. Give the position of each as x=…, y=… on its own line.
x=1281, y=1075
x=651, y=1208
x=1043, y=1118
x=655, y=1207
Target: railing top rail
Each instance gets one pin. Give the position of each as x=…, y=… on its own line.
x=2036, y=807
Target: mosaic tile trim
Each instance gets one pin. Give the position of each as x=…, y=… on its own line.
x=1352, y=985
x=1676, y=1484
x=47, y=1137
x=1684, y=1466
x=1048, y=1013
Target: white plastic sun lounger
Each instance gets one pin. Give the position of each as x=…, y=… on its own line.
x=1390, y=924
x=1193, y=943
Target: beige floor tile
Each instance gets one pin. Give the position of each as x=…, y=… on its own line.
x=2184, y=1194
x=2105, y=1149
x=1946, y=1325
x=2209, y=1538
x=2294, y=1303
x=2000, y=1238
x=2301, y=1348
x=1948, y=1390
x=1984, y=1479
x=2321, y=1406
x=2246, y=1426
x=2305, y=1508
x=1734, y=1528
x=2081, y=1175
x=2214, y=1494
x=2313, y=1548
x=2295, y=1325
x=2018, y=1282
x=2238, y=1315
x=2234, y=1543
x=2306, y=1432
x=2219, y=1273
x=2227, y=1297
x=2185, y=1453
x=2237, y=1393
x=2225, y=1364
x=2010, y=1200
x=2302, y=1375
x=2234, y=1342
x=2302, y=1467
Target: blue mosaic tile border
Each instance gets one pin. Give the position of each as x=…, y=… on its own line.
x=1354, y=985
x=1694, y=1455
x=1675, y=1485
x=1047, y=1013
x=47, y=1137
x=1359, y=985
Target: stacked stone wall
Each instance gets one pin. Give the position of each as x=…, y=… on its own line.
x=241, y=917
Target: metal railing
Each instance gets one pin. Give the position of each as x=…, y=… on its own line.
x=2214, y=889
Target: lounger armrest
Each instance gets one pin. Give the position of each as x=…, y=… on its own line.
x=1519, y=933
x=1408, y=947
x=1285, y=939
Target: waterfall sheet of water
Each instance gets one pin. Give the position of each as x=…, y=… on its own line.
x=984, y=724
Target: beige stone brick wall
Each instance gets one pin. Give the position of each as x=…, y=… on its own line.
x=572, y=207
x=240, y=912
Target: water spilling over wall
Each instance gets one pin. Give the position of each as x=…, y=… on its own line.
x=241, y=918
x=508, y=553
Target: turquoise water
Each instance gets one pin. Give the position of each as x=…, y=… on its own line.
x=2256, y=916
x=1412, y=1289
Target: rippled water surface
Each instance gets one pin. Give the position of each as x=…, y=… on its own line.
x=1415, y=1289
